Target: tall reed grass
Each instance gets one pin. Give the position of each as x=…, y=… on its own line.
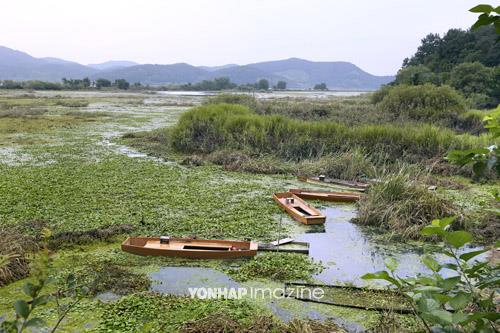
x=209, y=128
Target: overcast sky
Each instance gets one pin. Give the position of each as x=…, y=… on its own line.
x=375, y=35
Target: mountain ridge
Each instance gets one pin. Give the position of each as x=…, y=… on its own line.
x=298, y=73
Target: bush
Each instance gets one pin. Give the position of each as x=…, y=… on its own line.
x=401, y=205
x=424, y=102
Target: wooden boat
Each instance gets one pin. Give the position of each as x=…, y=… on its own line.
x=321, y=180
x=189, y=248
x=325, y=195
x=298, y=209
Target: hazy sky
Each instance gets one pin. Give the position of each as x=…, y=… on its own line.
x=375, y=35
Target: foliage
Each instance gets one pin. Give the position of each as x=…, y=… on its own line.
x=483, y=160
x=277, y=266
x=122, y=84
x=416, y=75
x=263, y=84
x=427, y=101
x=441, y=54
x=217, y=84
x=281, y=85
x=320, y=86
x=489, y=16
x=102, y=83
x=400, y=205
x=463, y=302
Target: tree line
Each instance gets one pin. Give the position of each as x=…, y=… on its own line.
x=467, y=60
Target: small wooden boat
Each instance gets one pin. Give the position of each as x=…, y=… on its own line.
x=189, y=248
x=325, y=195
x=322, y=180
x=298, y=209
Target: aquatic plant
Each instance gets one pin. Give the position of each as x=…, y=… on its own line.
x=278, y=266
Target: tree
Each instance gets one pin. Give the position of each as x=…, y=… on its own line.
x=102, y=83
x=122, y=84
x=320, y=86
x=416, y=75
x=281, y=85
x=263, y=84
x=472, y=78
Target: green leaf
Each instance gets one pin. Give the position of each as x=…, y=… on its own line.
x=428, y=305
x=444, y=316
x=22, y=308
x=391, y=264
x=469, y=255
x=35, y=322
x=431, y=263
x=431, y=230
x=30, y=289
x=449, y=283
x=444, y=222
x=382, y=275
x=481, y=9
x=459, y=318
x=458, y=238
x=44, y=299
x=460, y=301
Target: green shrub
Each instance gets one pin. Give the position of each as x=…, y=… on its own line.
x=424, y=102
x=401, y=205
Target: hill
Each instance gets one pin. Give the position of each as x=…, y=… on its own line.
x=298, y=73
x=17, y=65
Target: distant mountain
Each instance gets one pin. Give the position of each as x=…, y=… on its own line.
x=304, y=74
x=298, y=73
x=113, y=64
x=215, y=68
x=17, y=65
x=155, y=74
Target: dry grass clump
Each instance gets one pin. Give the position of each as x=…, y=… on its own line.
x=350, y=165
x=234, y=160
x=402, y=205
x=14, y=251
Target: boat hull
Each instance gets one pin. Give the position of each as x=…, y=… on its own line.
x=190, y=248
x=326, y=196
x=298, y=210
